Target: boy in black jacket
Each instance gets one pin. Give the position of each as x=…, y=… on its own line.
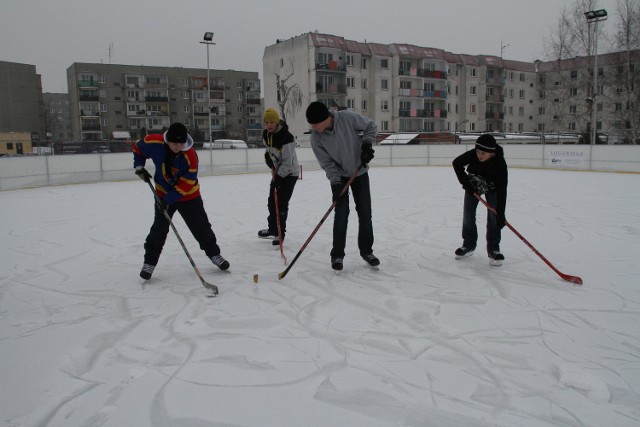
x=483, y=170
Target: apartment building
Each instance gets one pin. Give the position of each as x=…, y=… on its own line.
x=109, y=99
x=21, y=105
x=56, y=116
x=407, y=88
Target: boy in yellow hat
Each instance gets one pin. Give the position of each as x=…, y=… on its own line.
x=280, y=156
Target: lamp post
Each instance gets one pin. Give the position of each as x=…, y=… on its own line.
x=594, y=16
x=208, y=40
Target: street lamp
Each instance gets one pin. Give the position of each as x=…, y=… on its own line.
x=208, y=40
x=594, y=16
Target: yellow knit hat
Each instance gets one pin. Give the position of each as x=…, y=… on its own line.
x=271, y=115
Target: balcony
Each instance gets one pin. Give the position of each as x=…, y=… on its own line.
x=156, y=98
x=89, y=97
x=338, y=66
x=87, y=83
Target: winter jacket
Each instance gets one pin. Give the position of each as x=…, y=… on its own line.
x=176, y=175
x=282, y=150
x=338, y=150
x=494, y=171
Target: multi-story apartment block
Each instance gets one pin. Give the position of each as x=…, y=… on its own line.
x=407, y=88
x=56, y=116
x=21, y=105
x=108, y=98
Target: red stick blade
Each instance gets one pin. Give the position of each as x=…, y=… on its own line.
x=573, y=279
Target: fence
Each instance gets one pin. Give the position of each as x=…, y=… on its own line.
x=38, y=171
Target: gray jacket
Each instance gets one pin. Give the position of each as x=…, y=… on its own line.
x=338, y=150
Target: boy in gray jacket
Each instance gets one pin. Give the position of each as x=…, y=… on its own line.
x=342, y=142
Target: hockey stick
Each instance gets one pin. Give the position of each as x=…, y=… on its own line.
x=280, y=240
x=213, y=288
x=573, y=279
x=315, y=230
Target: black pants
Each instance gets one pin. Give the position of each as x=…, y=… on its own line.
x=284, y=195
x=362, y=198
x=194, y=215
x=469, y=228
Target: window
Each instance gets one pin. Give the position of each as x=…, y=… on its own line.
x=521, y=94
x=281, y=62
x=618, y=106
x=541, y=111
x=472, y=90
x=364, y=105
x=351, y=103
x=511, y=93
x=239, y=109
x=384, y=84
x=363, y=63
x=351, y=82
x=349, y=60
x=324, y=58
x=521, y=111
x=103, y=108
x=384, y=64
x=185, y=94
x=573, y=109
x=384, y=125
x=384, y=105
x=574, y=74
x=572, y=126
x=364, y=84
x=573, y=91
x=522, y=79
x=405, y=84
x=186, y=109
x=472, y=108
x=473, y=72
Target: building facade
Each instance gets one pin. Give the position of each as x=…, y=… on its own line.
x=57, y=118
x=107, y=98
x=21, y=105
x=407, y=88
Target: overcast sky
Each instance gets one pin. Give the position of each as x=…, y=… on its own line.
x=54, y=34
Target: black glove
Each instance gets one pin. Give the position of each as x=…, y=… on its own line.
x=336, y=189
x=268, y=160
x=366, y=154
x=468, y=187
x=278, y=181
x=501, y=221
x=143, y=174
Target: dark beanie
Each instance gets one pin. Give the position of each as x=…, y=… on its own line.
x=317, y=112
x=486, y=143
x=177, y=133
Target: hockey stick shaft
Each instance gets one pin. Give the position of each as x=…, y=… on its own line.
x=324, y=217
x=573, y=279
x=213, y=288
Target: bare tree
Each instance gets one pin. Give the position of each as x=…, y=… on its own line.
x=289, y=96
x=627, y=77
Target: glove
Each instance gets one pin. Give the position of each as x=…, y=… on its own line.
x=268, y=160
x=336, y=189
x=481, y=185
x=278, y=181
x=501, y=221
x=366, y=155
x=143, y=174
x=161, y=204
x=468, y=187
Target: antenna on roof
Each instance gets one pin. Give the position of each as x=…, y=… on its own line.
x=110, y=51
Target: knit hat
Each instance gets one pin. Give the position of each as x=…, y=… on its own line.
x=317, y=112
x=487, y=143
x=177, y=133
x=271, y=115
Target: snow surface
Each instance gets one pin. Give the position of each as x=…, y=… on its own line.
x=426, y=341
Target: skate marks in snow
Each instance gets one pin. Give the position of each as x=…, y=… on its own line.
x=426, y=340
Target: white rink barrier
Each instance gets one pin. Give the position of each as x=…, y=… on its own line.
x=39, y=171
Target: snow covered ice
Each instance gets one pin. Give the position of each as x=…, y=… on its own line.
x=426, y=341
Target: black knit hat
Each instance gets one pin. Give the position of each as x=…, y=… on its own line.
x=177, y=133
x=317, y=112
x=486, y=143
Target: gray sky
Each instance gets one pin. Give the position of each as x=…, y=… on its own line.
x=52, y=34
